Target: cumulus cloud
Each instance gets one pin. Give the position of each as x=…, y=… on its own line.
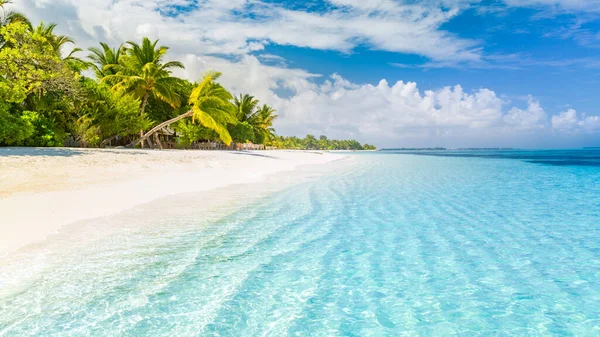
x=389, y=114
x=533, y=117
x=385, y=114
x=569, y=122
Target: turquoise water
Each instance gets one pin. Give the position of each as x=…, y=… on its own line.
x=492, y=244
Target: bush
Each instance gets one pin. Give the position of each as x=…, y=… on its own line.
x=45, y=131
x=190, y=132
x=241, y=132
x=14, y=128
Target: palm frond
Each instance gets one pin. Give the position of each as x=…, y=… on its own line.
x=172, y=64
x=209, y=122
x=12, y=17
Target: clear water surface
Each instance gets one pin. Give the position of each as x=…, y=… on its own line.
x=465, y=243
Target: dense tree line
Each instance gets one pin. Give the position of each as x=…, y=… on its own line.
x=323, y=143
x=46, y=100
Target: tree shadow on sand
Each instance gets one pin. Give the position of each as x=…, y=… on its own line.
x=39, y=152
x=253, y=154
x=57, y=152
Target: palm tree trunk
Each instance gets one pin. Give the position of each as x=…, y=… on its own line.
x=142, y=110
x=160, y=126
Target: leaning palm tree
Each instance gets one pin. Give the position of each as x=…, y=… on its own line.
x=142, y=73
x=210, y=107
x=105, y=60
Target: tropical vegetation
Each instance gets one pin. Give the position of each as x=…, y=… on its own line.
x=310, y=142
x=51, y=95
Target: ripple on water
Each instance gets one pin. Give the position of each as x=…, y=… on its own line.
x=396, y=245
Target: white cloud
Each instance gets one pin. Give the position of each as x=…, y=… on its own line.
x=562, y=5
x=569, y=122
x=385, y=114
x=248, y=75
x=533, y=117
x=401, y=113
x=213, y=27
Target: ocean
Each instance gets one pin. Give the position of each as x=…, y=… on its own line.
x=391, y=243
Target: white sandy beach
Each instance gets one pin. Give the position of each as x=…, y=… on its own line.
x=44, y=189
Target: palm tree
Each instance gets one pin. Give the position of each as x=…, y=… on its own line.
x=260, y=118
x=210, y=106
x=105, y=61
x=310, y=142
x=265, y=116
x=55, y=41
x=141, y=72
x=245, y=108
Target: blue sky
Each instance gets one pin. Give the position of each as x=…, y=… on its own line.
x=519, y=73
x=525, y=50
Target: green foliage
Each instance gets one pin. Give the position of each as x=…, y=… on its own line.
x=106, y=114
x=311, y=142
x=241, y=132
x=264, y=131
x=245, y=107
x=369, y=147
x=45, y=101
x=105, y=61
x=55, y=41
x=40, y=84
x=27, y=63
x=14, y=129
x=142, y=73
x=211, y=106
x=159, y=111
x=46, y=132
x=323, y=143
x=189, y=132
x=8, y=16
x=261, y=119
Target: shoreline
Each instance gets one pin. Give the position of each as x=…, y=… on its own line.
x=43, y=190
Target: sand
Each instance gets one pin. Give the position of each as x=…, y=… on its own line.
x=42, y=190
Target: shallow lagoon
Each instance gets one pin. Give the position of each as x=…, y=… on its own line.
x=383, y=244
